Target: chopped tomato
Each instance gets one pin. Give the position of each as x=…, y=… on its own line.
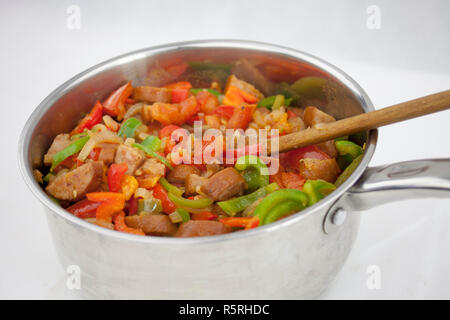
x=224, y=111
x=115, y=174
x=292, y=180
x=188, y=108
x=291, y=158
x=160, y=193
x=90, y=120
x=167, y=131
x=120, y=225
x=179, y=85
x=166, y=113
x=277, y=178
x=207, y=101
x=95, y=153
x=241, y=117
x=84, y=209
x=205, y=215
x=212, y=121
x=179, y=95
x=114, y=104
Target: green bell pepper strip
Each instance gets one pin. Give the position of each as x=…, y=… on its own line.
x=196, y=204
x=68, y=151
x=78, y=136
x=282, y=210
x=179, y=215
x=147, y=147
x=348, y=171
x=256, y=174
x=341, y=138
x=197, y=90
x=128, y=128
x=235, y=205
x=276, y=198
x=278, y=102
x=152, y=142
x=266, y=102
x=310, y=87
x=274, y=102
x=170, y=187
x=149, y=206
x=347, y=147
x=317, y=190
x=47, y=177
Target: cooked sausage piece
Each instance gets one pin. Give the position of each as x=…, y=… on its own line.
x=329, y=147
x=194, y=184
x=179, y=174
x=314, y=169
x=60, y=142
x=313, y=116
x=152, y=224
x=74, y=184
x=201, y=228
x=224, y=184
x=152, y=94
x=131, y=156
x=107, y=152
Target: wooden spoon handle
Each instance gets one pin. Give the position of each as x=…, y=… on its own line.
x=366, y=121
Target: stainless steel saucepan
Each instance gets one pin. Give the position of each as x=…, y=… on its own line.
x=296, y=257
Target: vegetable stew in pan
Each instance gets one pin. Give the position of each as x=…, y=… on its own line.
x=136, y=164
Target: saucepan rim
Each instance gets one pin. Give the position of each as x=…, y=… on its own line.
x=42, y=108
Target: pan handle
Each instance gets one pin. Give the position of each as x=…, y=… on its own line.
x=389, y=183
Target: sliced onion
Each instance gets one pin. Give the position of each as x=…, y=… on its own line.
x=97, y=138
x=143, y=193
x=133, y=110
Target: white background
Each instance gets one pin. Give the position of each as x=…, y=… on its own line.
x=406, y=58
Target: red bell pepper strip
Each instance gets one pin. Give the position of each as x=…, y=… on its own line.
x=224, y=111
x=115, y=174
x=291, y=158
x=90, y=120
x=160, y=193
x=114, y=105
x=111, y=203
x=205, y=215
x=241, y=117
x=120, y=225
x=84, y=209
x=241, y=222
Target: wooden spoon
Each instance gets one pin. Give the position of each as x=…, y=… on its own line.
x=365, y=121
